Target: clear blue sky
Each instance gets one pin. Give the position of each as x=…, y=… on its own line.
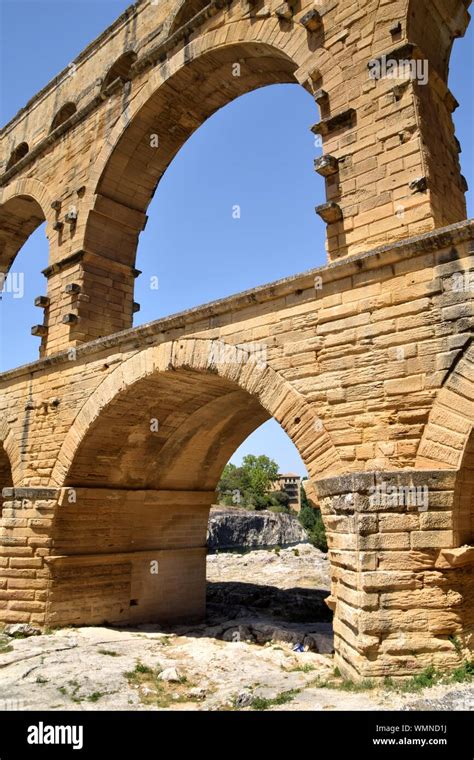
x=256, y=152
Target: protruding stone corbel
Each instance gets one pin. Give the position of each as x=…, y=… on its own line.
x=136, y=307
x=284, y=11
x=72, y=288
x=42, y=301
x=326, y=165
x=398, y=90
x=71, y=216
x=312, y=21
x=451, y=103
x=338, y=121
x=321, y=97
x=70, y=319
x=418, y=185
x=39, y=331
x=329, y=212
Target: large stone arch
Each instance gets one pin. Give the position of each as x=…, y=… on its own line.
x=9, y=458
x=451, y=419
x=434, y=27
x=24, y=205
x=127, y=168
x=130, y=493
x=272, y=394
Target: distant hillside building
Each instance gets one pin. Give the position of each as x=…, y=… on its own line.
x=291, y=484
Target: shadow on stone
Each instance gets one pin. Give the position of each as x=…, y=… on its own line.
x=234, y=599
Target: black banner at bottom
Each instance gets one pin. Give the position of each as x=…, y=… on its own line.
x=374, y=734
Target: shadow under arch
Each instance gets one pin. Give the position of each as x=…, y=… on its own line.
x=8, y=458
x=24, y=206
x=222, y=401
x=6, y=478
x=447, y=431
x=135, y=492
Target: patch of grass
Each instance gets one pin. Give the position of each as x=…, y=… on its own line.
x=95, y=696
x=159, y=693
x=429, y=677
x=337, y=672
x=366, y=685
x=320, y=683
x=41, y=679
x=5, y=647
x=296, y=552
x=423, y=680
x=306, y=668
x=456, y=642
x=140, y=668
x=109, y=652
x=72, y=693
x=264, y=703
x=464, y=673
x=342, y=684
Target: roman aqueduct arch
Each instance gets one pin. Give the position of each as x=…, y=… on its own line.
x=367, y=361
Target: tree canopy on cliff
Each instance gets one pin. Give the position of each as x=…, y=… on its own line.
x=249, y=485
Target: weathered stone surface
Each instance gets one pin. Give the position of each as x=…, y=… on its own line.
x=171, y=675
x=21, y=630
x=365, y=362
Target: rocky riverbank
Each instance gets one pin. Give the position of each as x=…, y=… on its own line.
x=231, y=527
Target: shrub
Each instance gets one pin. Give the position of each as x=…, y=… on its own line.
x=312, y=522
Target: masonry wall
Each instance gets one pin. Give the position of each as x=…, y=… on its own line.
x=390, y=157
x=90, y=556
x=401, y=602
x=368, y=350
x=367, y=362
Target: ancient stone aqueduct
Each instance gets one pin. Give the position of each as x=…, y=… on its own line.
x=369, y=359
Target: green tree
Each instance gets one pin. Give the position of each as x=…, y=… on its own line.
x=259, y=473
x=249, y=484
x=311, y=520
x=230, y=479
x=279, y=501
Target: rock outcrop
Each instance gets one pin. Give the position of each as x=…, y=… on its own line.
x=234, y=527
